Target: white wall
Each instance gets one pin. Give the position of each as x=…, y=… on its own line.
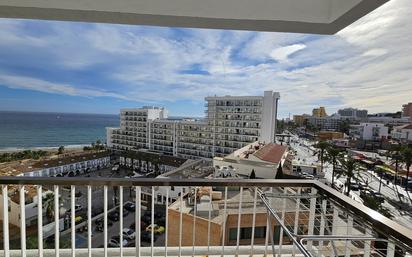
x=245, y=169
x=269, y=115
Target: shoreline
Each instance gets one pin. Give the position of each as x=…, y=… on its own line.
x=44, y=148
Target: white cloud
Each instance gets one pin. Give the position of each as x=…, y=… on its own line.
x=282, y=53
x=366, y=65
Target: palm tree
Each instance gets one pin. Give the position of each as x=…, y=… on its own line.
x=322, y=146
x=406, y=155
x=48, y=204
x=394, y=153
x=349, y=169
x=332, y=155
x=60, y=150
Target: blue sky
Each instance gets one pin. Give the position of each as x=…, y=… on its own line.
x=100, y=68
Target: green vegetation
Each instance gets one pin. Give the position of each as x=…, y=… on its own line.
x=332, y=156
x=322, y=146
x=406, y=156
x=376, y=205
x=48, y=204
x=350, y=169
x=27, y=154
x=95, y=146
x=60, y=150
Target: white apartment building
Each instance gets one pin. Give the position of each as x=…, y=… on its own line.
x=402, y=133
x=231, y=122
x=369, y=131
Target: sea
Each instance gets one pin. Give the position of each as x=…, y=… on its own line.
x=32, y=130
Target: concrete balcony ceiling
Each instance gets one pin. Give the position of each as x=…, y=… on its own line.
x=303, y=16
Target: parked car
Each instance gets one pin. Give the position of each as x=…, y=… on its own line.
x=125, y=213
x=115, y=242
x=130, y=206
x=129, y=233
x=156, y=229
x=113, y=216
x=100, y=221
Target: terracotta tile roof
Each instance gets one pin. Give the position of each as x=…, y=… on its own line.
x=406, y=126
x=271, y=153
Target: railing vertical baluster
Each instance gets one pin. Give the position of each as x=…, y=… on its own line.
x=6, y=242
x=72, y=219
x=181, y=221
x=23, y=221
x=348, y=232
x=56, y=221
x=137, y=219
x=238, y=221
x=89, y=220
x=390, y=251
x=252, y=240
x=367, y=247
x=335, y=225
x=322, y=222
x=167, y=219
x=152, y=218
x=224, y=223
x=121, y=219
x=40, y=219
x=296, y=223
x=285, y=191
x=311, y=225
x=194, y=224
x=209, y=219
x=105, y=220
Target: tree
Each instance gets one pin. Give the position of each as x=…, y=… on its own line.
x=376, y=205
x=406, y=156
x=321, y=146
x=60, y=150
x=349, y=169
x=344, y=126
x=332, y=155
x=252, y=174
x=48, y=204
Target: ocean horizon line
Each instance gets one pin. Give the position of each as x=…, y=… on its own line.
x=18, y=149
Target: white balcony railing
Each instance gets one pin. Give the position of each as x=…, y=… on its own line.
x=201, y=217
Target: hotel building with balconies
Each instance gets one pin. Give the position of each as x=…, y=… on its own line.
x=231, y=122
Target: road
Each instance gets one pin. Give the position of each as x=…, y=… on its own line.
x=402, y=210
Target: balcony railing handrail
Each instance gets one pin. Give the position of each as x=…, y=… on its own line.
x=379, y=222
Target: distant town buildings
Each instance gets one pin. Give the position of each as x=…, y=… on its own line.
x=369, y=131
x=402, y=133
x=325, y=123
x=407, y=110
x=319, y=112
x=231, y=123
x=353, y=114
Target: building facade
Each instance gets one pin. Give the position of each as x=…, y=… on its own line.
x=231, y=122
x=319, y=112
x=325, y=123
x=402, y=133
x=407, y=110
x=369, y=131
x=353, y=114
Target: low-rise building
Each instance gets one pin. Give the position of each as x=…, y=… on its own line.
x=224, y=221
x=264, y=160
x=369, y=131
x=402, y=133
x=329, y=135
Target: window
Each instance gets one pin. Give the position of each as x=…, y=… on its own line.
x=246, y=233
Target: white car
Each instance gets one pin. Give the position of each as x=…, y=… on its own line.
x=129, y=233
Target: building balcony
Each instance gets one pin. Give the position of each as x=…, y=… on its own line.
x=199, y=217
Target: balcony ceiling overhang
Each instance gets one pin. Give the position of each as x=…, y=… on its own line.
x=303, y=16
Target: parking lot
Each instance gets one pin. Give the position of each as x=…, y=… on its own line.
x=97, y=212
